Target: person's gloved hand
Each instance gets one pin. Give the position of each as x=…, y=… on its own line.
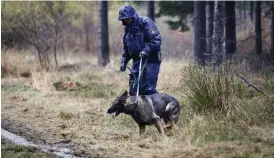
x=122, y=67
x=143, y=54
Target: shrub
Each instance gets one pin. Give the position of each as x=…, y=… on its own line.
x=209, y=91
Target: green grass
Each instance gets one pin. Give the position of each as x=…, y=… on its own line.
x=15, y=87
x=95, y=90
x=9, y=150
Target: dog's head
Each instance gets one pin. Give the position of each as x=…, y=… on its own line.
x=118, y=104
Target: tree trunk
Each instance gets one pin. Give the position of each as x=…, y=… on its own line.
x=258, y=29
x=240, y=12
x=150, y=10
x=55, y=46
x=55, y=52
x=199, y=32
x=103, y=56
x=87, y=25
x=209, y=26
x=272, y=30
x=251, y=11
x=42, y=50
x=243, y=7
x=230, y=28
x=218, y=33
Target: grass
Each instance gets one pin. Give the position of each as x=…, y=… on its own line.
x=95, y=90
x=216, y=109
x=9, y=150
x=15, y=87
x=223, y=108
x=221, y=116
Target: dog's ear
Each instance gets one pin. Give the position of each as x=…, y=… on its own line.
x=124, y=96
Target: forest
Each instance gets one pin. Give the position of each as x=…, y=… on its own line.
x=60, y=73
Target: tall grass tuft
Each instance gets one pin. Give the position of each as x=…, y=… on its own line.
x=212, y=91
x=222, y=107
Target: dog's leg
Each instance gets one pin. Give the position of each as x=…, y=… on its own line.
x=155, y=117
x=159, y=127
x=169, y=124
x=142, y=129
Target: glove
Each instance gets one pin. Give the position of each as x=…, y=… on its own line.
x=122, y=67
x=143, y=54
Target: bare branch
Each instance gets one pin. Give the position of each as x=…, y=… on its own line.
x=249, y=84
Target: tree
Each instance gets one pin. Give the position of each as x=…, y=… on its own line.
x=89, y=22
x=25, y=21
x=150, y=10
x=103, y=56
x=258, y=28
x=57, y=13
x=87, y=28
x=38, y=24
x=176, y=9
x=272, y=29
x=230, y=28
x=244, y=10
x=199, y=32
x=209, y=25
x=218, y=33
x=251, y=11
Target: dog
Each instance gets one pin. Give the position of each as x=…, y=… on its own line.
x=148, y=110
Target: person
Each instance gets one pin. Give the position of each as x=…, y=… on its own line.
x=142, y=39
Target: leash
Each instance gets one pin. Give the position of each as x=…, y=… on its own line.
x=137, y=80
x=140, y=72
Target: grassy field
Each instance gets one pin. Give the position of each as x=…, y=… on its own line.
x=221, y=116
x=9, y=150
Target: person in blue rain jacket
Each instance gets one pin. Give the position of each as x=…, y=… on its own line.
x=141, y=39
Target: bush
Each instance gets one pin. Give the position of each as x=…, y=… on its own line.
x=209, y=91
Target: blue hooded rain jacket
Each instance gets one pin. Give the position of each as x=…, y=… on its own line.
x=141, y=35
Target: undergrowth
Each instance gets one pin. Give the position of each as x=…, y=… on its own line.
x=222, y=106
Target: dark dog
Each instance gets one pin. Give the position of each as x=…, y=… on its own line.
x=148, y=110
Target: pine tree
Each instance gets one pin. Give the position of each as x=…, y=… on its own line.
x=230, y=28
x=258, y=28
x=218, y=33
x=150, y=10
x=103, y=56
x=209, y=25
x=199, y=32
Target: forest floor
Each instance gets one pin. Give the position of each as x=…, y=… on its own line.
x=33, y=108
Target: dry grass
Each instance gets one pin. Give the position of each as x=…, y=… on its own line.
x=18, y=64
x=80, y=116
